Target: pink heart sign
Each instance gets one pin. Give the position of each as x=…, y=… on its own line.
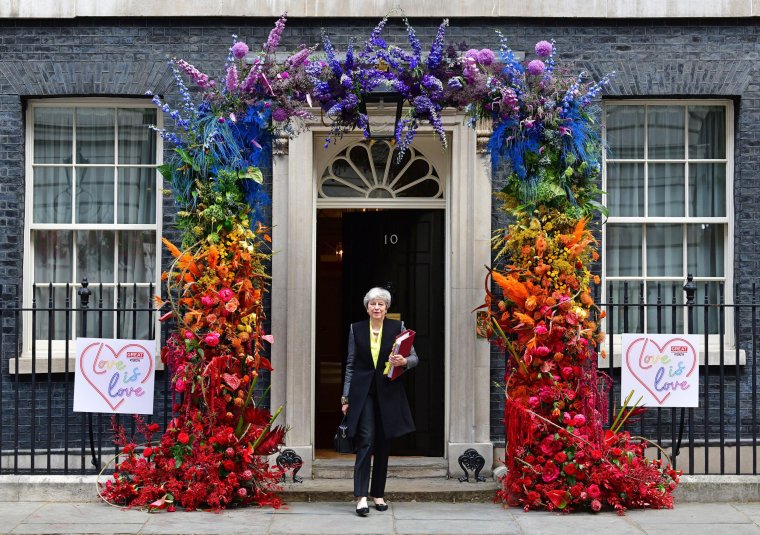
x=662, y=369
x=114, y=376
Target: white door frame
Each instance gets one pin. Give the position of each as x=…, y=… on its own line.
x=467, y=250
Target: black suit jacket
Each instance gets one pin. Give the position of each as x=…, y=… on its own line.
x=361, y=372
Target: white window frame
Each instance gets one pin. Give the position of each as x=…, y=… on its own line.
x=58, y=350
x=729, y=341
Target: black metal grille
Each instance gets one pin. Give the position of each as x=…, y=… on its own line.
x=39, y=432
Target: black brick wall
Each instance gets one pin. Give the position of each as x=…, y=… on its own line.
x=126, y=57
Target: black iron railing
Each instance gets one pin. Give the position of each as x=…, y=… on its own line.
x=39, y=432
x=720, y=436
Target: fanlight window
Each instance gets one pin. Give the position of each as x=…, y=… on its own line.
x=368, y=169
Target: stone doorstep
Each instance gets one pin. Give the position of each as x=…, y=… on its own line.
x=81, y=489
x=342, y=467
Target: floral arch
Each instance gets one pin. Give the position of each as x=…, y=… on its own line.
x=538, y=308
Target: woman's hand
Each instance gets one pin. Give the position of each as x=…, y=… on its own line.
x=398, y=360
x=344, y=408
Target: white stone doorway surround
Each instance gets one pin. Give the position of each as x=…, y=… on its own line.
x=468, y=233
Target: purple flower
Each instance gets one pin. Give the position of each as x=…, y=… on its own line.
x=232, y=79
x=298, y=58
x=280, y=115
x=486, y=56
x=536, y=67
x=200, y=79
x=239, y=50
x=455, y=83
x=273, y=41
x=436, y=50
x=544, y=49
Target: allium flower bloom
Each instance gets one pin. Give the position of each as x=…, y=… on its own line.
x=239, y=50
x=544, y=49
x=536, y=67
x=486, y=56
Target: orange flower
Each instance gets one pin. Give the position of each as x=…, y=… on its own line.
x=586, y=299
x=540, y=245
x=513, y=289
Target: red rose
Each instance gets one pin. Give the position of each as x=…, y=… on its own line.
x=228, y=465
x=596, y=455
x=153, y=427
x=561, y=457
x=593, y=491
x=183, y=438
x=147, y=452
x=570, y=469
x=550, y=472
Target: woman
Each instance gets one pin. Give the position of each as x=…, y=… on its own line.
x=376, y=407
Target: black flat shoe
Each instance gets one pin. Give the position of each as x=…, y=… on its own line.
x=381, y=506
x=362, y=511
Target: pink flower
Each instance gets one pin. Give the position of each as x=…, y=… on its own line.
x=239, y=50
x=596, y=505
x=579, y=420
x=189, y=334
x=593, y=491
x=180, y=385
x=207, y=301
x=567, y=372
x=225, y=294
x=536, y=67
x=486, y=56
x=544, y=49
x=540, y=329
x=212, y=339
x=550, y=472
x=232, y=79
x=541, y=351
x=534, y=402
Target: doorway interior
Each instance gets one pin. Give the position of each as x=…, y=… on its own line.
x=402, y=250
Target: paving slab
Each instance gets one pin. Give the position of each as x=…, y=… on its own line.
x=446, y=511
x=456, y=527
x=243, y=521
x=752, y=510
x=86, y=513
x=712, y=529
x=322, y=518
x=547, y=523
x=15, y=512
x=79, y=529
x=689, y=513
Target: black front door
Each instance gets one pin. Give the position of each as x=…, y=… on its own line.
x=403, y=250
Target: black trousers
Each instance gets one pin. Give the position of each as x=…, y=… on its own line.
x=368, y=440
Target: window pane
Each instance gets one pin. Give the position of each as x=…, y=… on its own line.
x=137, y=143
x=664, y=250
x=708, y=318
x=662, y=319
x=707, y=132
x=137, y=195
x=94, y=195
x=706, y=250
x=625, y=189
x=707, y=189
x=51, y=195
x=95, y=252
x=137, y=256
x=52, y=255
x=46, y=327
x=625, y=315
x=623, y=250
x=101, y=315
x=95, y=135
x=53, y=129
x=135, y=323
x=625, y=131
x=667, y=188
x=665, y=132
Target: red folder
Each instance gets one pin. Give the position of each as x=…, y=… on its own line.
x=402, y=346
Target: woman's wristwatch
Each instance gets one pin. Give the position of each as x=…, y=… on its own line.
x=344, y=400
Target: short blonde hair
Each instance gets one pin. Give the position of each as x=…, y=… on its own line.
x=378, y=293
